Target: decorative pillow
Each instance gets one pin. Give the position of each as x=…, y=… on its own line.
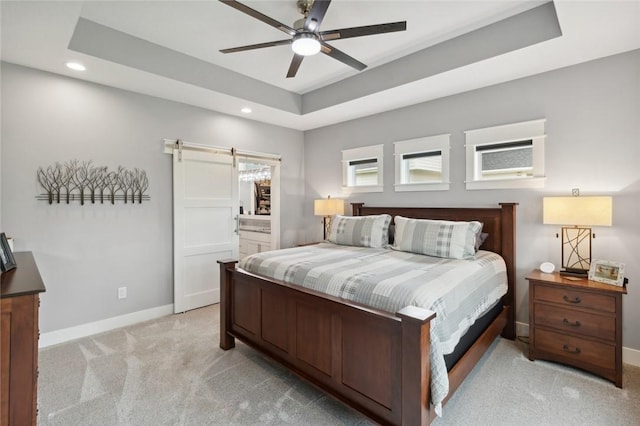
x=481, y=237
x=363, y=231
x=440, y=238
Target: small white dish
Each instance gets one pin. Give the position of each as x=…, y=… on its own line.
x=547, y=267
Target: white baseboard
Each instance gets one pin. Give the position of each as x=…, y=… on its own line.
x=84, y=330
x=522, y=329
x=629, y=356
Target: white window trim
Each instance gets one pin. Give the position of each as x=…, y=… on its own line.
x=362, y=153
x=413, y=146
x=534, y=130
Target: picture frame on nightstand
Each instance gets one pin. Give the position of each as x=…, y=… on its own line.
x=7, y=261
x=607, y=271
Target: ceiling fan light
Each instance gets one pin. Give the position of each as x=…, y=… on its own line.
x=306, y=44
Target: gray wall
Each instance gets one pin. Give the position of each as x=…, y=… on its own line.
x=593, y=116
x=86, y=253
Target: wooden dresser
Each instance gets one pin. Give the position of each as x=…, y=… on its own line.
x=578, y=323
x=19, y=305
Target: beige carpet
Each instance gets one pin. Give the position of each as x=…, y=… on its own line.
x=171, y=372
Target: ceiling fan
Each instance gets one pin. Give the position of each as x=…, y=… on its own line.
x=306, y=37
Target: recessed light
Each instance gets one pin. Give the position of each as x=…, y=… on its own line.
x=76, y=66
x=246, y=110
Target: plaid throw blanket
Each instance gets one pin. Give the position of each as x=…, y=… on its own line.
x=459, y=291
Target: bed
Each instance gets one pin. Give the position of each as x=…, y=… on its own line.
x=374, y=360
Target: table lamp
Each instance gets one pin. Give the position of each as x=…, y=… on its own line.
x=327, y=207
x=579, y=214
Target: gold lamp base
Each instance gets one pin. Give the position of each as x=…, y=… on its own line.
x=576, y=251
x=571, y=272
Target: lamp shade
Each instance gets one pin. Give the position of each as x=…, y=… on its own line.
x=328, y=207
x=577, y=211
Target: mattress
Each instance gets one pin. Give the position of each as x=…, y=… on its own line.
x=459, y=291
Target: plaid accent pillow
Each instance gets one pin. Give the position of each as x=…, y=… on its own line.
x=439, y=238
x=362, y=231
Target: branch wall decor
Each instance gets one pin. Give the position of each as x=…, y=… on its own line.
x=85, y=182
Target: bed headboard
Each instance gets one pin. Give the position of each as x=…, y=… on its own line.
x=499, y=223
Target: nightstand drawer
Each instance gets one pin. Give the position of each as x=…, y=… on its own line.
x=576, y=351
x=575, y=321
x=572, y=297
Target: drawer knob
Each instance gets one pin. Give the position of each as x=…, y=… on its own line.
x=574, y=300
x=573, y=351
x=572, y=324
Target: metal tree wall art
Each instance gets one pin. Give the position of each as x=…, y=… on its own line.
x=85, y=182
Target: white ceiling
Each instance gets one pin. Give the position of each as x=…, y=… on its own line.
x=38, y=35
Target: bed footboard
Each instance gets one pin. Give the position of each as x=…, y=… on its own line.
x=375, y=362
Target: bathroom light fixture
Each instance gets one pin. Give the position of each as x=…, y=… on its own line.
x=76, y=66
x=306, y=44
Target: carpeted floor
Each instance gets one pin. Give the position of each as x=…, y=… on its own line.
x=170, y=371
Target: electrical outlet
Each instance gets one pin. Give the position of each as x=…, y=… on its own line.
x=122, y=293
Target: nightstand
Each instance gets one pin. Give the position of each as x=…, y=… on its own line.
x=576, y=322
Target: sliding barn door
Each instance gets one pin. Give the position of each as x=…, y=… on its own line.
x=205, y=208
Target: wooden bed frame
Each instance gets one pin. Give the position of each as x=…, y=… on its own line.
x=375, y=362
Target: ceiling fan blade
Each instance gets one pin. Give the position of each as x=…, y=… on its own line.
x=295, y=64
x=341, y=56
x=366, y=30
x=316, y=15
x=259, y=16
x=256, y=46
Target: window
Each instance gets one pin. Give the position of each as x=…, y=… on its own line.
x=362, y=169
x=505, y=160
x=363, y=172
x=509, y=156
x=422, y=164
x=422, y=167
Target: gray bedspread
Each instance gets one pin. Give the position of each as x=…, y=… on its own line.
x=459, y=291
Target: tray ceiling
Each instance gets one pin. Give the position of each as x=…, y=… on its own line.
x=170, y=49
